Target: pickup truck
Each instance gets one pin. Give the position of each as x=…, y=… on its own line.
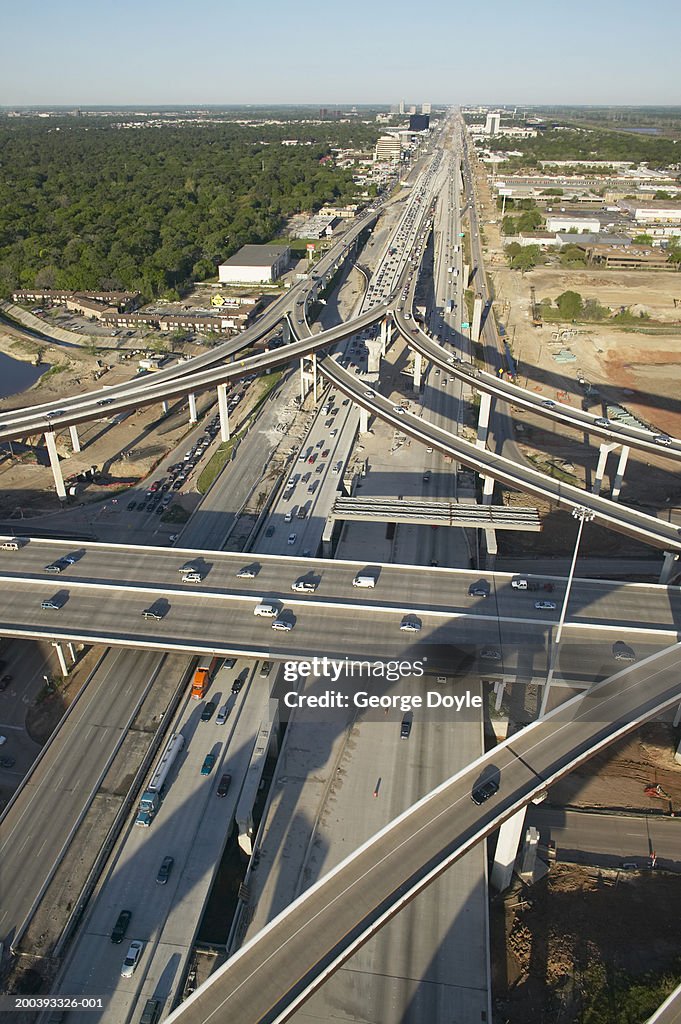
x=523, y=584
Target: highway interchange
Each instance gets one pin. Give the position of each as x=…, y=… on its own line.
x=110, y=582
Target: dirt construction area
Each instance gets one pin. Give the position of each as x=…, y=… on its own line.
x=586, y=945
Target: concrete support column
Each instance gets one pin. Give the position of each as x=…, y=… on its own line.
x=224, y=412
x=384, y=336
x=363, y=420
x=483, y=419
x=619, y=475
x=72, y=651
x=314, y=377
x=499, y=688
x=164, y=407
x=418, y=368
x=54, y=463
x=507, y=848
x=302, y=380
x=193, y=418
x=62, y=660
x=603, y=453
x=75, y=440
x=464, y=276
x=286, y=330
x=477, y=318
x=669, y=567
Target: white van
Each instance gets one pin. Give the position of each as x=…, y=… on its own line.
x=11, y=545
x=265, y=608
x=368, y=582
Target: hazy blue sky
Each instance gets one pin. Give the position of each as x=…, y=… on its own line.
x=231, y=51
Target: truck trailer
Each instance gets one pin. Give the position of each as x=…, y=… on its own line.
x=151, y=798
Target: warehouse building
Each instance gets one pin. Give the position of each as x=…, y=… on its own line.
x=255, y=263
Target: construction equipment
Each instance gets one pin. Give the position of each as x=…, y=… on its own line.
x=536, y=315
x=655, y=790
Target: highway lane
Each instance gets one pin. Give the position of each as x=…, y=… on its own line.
x=275, y=972
x=610, y=840
x=137, y=573
x=61, y=785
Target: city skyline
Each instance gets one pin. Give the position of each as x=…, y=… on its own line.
x=164, y=54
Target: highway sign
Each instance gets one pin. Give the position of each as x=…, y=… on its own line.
x=464, y=324
x=462, y=234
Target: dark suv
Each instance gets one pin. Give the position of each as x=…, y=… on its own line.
x=208, y=710
x=484, y=791
x=121, y=926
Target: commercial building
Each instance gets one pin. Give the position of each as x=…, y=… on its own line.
x=572, y=220
x=633, y=257
x=492, y=123
x=388, y=147
x=426, y=108
x=419, y=122
x=653, y=212
x=255, y=264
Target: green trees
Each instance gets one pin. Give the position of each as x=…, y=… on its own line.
x=570, y=305
x=572, y=256
x=643, y=240
x=153, y=208
x=523, y=257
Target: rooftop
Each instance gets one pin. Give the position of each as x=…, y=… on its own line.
x=255, y=256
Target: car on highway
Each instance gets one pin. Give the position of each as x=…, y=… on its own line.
x=313, y=458
x=132, y=505
x=208, y=764
x=237, y=685
x=269, y=532
x=224, y=784
x=410, y=624
x=491, y=654
x=484, y=791
x=57, y=566
x=601, y=421
x=325, y=453
x=208, y=710
x=545, y=606
x=132, y=959
x=51, y=604
x=623, y=652
x=192, y=577
x=292, y=537
x=282, y=625
x=426, y=477
x=289, y=516
x=662, y=439
x=405, y=728
x=265, y=668
x=247, y=573
x=120, y=928
x=548, y=403
x=163, y=873
x=304, y=587
x=222, y=715
x=152, y=613
x=479, y=589
x=399, y=410
x=5, y=681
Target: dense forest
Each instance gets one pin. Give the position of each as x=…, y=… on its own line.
x=90, y=204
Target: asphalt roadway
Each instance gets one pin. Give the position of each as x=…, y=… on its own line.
x=274, y=973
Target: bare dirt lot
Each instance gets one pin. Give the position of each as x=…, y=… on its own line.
x=586, y=945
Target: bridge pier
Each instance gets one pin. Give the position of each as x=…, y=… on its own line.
x=314, y=377
x=483, y=419
x=477, y=318
x=306, y=378
x=223, y=412
x=363, y=420
x=603, y=453
x=54, y=463
x=164, y=407
x=193, y=417
x=418, y=369
x=60, y=656
x=669, y=567
x=619, y=475
x=464, y=276
x=505, y=854
x=75, y=440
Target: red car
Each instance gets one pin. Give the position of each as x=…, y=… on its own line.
x=313, y=458
x=325, y=453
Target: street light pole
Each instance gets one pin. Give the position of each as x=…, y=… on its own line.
x=584, y=515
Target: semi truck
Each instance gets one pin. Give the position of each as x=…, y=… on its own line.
x=202, y=679
x=151, y=797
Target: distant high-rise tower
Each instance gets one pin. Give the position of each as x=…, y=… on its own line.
x=426, y=108
x=401, y=106
x=492, y=124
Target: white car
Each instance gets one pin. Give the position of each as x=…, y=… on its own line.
x=545, y=606
x=283, y=625
x=399, y=410
x=288, y=517
x=3, y=739
x=410, y=625
x=246, y=574
x=132, y=959
x=304, y=587
x=292, y=537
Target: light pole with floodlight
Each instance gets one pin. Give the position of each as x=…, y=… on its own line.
x=584, y=515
